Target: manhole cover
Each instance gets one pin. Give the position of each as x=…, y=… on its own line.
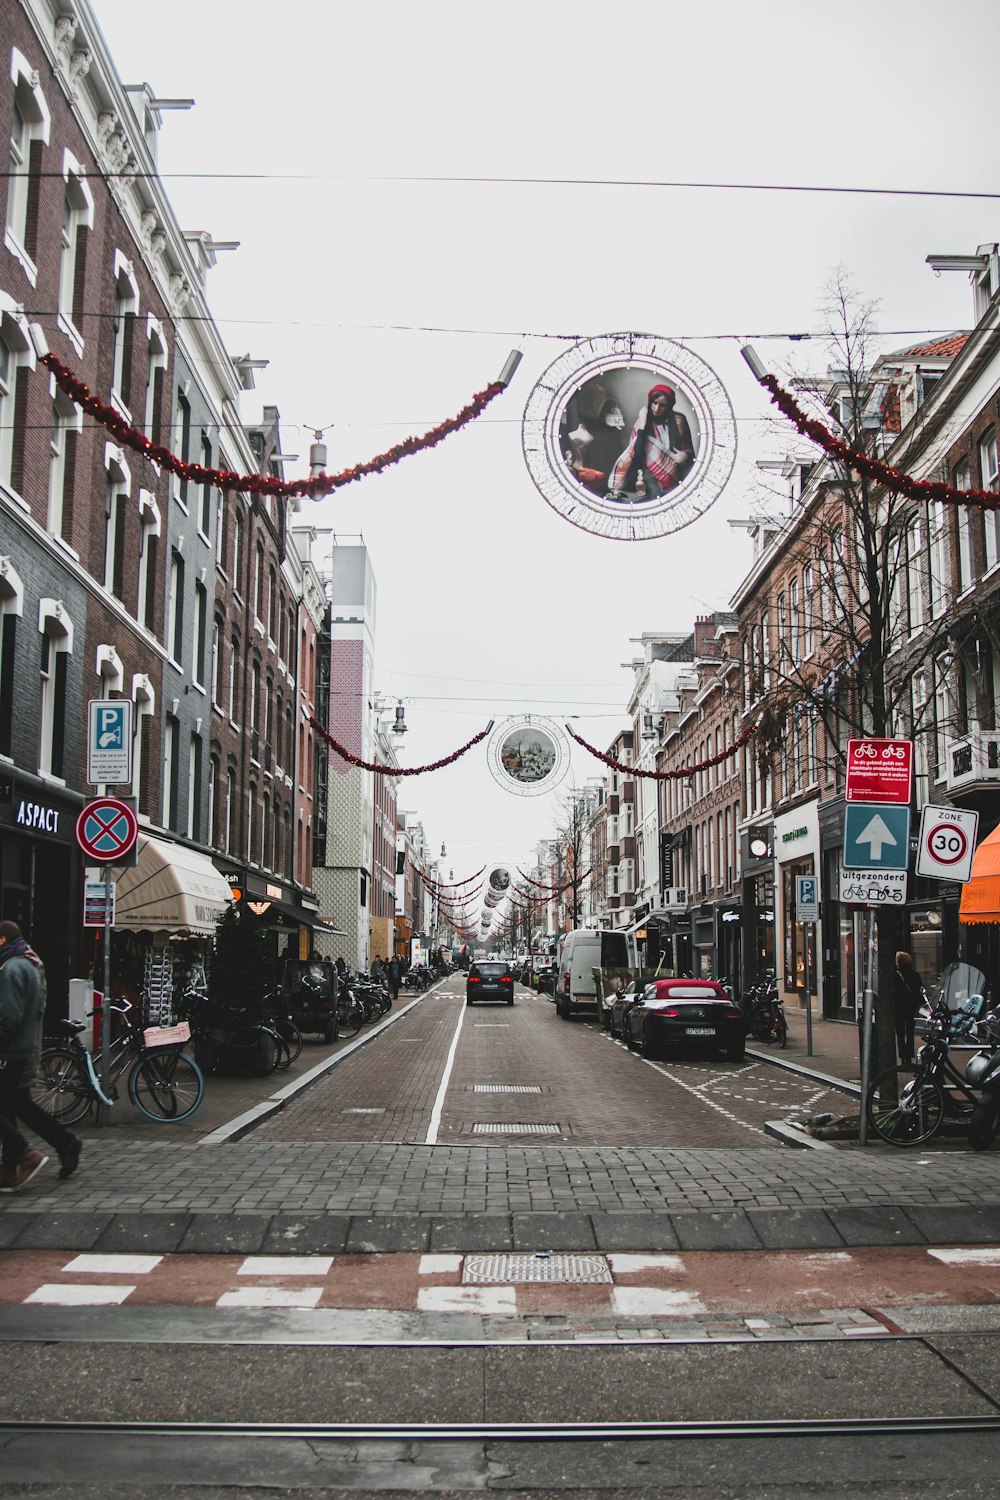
x=491, y=1270
x=362, y=1111
x=507, y=1088
x=505, y=1128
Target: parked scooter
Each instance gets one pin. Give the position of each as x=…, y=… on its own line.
x=766, y=1015
x=983, y=1072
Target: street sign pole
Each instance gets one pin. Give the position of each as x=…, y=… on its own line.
x=810, y=941
x=106, y=1002
x=866, y=1032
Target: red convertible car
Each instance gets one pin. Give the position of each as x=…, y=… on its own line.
x=686, y=1012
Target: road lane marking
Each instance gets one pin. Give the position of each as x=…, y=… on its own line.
x=436, y=1112
x=493, y=1301
x=434, y=1265
x=977, y=1257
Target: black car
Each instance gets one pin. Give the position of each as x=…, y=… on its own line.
x=489, y=980
x=686, y=1012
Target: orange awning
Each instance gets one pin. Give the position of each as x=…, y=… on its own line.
x=981, y=894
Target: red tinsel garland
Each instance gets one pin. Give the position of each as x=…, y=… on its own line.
x=381, y=770
x=678, y=775
x=555, y=890
x=895, y=480
x=258, y=484
x=451, y=885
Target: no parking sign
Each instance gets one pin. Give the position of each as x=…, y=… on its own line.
x=947, y=843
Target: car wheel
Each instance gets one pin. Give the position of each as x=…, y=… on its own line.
x=511, y=1000
x=737, y=1053
x=646, y=1044
x=468, y=999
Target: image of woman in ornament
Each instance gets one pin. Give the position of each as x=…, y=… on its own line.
x=660, y=451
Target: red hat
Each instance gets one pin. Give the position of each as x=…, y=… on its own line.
x=661, y=390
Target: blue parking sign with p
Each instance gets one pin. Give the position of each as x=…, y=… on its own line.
x=109, y=741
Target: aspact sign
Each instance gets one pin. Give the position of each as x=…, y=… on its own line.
x=35, y=815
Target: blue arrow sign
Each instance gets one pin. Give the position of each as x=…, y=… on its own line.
x=876, y=836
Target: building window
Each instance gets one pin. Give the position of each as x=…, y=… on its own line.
x=194, y=788
x=808, y=622
x=149, y=531
x=989, y=467
x=29, y=134
x=11, y=606
x=199, y=633
x=78, y=221
x=214, y=671
x=116, y=489
x=17, y=360
x=175, y=608
x=258, y=581
x=66, y=424
x=213, y=799
x=938, y=559
x=963, y=534
x=237, y=549
x=156, y=370
x=126, y=309
x=144, y=699
x=914, y=575
x=230, y=808
x=56, y=643
x=205, y=517
x=254, y=697
x=234, y=651
x=171, y=771
x=184, y=424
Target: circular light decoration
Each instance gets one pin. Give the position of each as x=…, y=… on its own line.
x=617, y=457
x=527, y=756
x=499, y=878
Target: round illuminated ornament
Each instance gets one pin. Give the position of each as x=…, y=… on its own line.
x=527, y=756
x=629, y=436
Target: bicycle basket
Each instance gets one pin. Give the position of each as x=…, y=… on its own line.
x=167, y=1036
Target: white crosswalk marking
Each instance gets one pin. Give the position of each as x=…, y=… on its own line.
x=271, y=1296
x=286, y=1265
x=433, y=1265
x=70, y=1295
x=112, y=1265
x=982, y=1255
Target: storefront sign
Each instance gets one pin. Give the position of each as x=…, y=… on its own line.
x=36, y=815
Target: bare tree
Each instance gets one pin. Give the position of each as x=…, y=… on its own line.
x=571, y=847
x=856, y=622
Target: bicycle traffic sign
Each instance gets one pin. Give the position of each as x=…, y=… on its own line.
x=879, y=770
x=107, y=829
x=947, y=843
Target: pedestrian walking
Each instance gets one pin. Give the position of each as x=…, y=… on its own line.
x=377, y=970
x=393, y=975
x=908, y=996
x=22, y=1005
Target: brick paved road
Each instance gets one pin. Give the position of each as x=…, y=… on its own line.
x=592, y=1090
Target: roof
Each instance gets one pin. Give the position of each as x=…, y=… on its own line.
x=942, y=348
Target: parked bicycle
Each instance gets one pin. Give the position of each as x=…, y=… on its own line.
x=164, y=1083
x=908, y=1105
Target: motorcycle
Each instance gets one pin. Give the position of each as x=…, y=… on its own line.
x=983, y=1073
x=766, y=1015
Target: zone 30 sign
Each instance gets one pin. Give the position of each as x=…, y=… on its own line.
x=947, y=843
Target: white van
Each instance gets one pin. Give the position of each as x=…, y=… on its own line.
x=580, y=953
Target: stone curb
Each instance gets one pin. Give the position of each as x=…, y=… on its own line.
x=299, y=1233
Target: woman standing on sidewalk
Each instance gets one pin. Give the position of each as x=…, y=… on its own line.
x=907, y=1000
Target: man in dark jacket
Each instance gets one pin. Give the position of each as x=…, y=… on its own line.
x=22, y=1004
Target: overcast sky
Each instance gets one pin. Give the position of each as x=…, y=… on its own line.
x=383, y=304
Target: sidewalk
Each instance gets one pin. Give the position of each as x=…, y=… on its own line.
x=834, y=1052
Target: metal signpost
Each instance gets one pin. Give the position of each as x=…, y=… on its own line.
x=807, y=910
x=107, y=829
x=878, y=788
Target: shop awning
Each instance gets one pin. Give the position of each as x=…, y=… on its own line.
x=171, y=889
x=981, y=894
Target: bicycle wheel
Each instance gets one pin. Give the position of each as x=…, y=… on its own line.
x=905, y=1106
x=253, y=1049
x=61, y=1086
x=291, y=1036
x=283, y=1058
x=166, y=1086
x=350, y=1016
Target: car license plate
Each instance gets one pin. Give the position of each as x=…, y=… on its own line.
x=699, y=1031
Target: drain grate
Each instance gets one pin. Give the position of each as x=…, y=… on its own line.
x=507, y=1088
x=493, y=1270
x=362, y=1111
x=506, y=1128
x=484, y=1025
